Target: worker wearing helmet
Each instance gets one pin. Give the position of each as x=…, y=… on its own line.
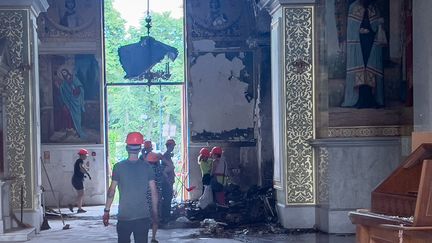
x=153, y=159
x=133, y=177
x=218, y=173
x=168, y=180
x=205, y=164
x=78, y=179
x=147, y=148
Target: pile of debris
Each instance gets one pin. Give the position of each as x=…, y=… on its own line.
x=244, y=208
x=247, y=213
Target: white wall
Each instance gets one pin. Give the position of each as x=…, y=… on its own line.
x=216, y=89
x=59, y=161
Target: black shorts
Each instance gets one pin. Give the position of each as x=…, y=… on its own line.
x=78, y=183
x=138, y=227
x=206, y=179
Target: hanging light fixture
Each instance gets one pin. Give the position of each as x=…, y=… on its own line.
x=148, y=18
x=139, y=58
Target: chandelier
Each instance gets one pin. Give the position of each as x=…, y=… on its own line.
x=138, y=59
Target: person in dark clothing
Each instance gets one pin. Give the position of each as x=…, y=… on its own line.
x=168, y=178
x=153, y=159
x=78, y=179
x=147, y=148
x=133, y=177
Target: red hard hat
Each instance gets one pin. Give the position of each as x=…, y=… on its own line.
x=83, y=152
x=170, y=141
x=148, y=144
x=216, y=150
x=205, y=152
x=153, y=157
x=134, y=138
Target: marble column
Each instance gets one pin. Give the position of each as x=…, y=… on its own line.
x=293, y=55
x=22, y=143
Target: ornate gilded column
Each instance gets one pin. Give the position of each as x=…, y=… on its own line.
x=298, y=77
x=293, y=57
x=18, y=27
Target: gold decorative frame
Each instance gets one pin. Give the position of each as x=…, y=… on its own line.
x=369, y=131
x=298, y=23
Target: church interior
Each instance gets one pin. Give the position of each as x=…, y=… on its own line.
x=325, y=102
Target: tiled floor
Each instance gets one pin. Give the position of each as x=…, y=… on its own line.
x=88, y=227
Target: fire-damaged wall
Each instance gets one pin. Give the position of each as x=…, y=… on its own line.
x=226, y=50
x=219, y=84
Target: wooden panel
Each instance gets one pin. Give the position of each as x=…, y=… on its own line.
x=375, y=228
x=423, y=212
x=382, y=237
x=398, y=194
x=420, y=137
x=416, y=237
x=393, y=204
x=421, y=153
x=406, y=192
x=362, y=233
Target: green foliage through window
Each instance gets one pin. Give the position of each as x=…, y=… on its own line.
x=153, y=111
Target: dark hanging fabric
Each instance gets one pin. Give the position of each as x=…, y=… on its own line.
x=366, y=39
x=366, y=98
x=138, y=58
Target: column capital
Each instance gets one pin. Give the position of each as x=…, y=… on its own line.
x=36, y=6
x=272, y=5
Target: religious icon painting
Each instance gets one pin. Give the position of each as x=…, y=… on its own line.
x=70, y=98
x=369, y=63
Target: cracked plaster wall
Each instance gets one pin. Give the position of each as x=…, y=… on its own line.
x=218, y=108
x=216, y=89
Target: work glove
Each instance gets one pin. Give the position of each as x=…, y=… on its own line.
x=105, y=218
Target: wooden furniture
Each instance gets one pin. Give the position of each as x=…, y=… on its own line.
x=418, y=138
x=401, y=206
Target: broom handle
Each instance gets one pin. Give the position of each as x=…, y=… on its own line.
x=43, y=201
x=22, y=202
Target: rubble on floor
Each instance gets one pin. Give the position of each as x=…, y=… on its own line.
x=249, y=217
x=255, y=205
x=88, y=227
x=247, y=213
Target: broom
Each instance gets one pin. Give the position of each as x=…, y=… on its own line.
x=45, y=225
x=65, y=226
x=20, y=222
